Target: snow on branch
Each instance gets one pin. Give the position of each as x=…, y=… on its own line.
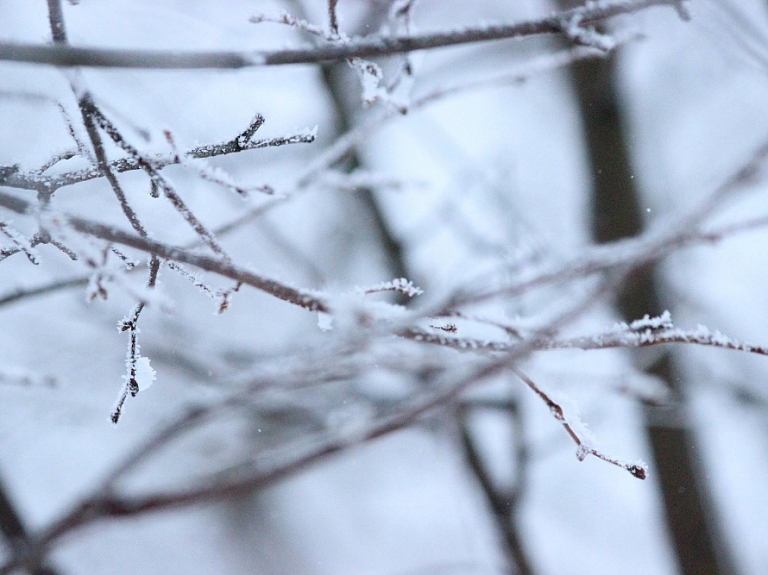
x=586, y=35
x=68, y=56
x=640, y=333
x=401, y=285
x=302, y=298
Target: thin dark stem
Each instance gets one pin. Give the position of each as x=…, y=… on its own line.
x=105, y=168
x=90, y=110
x=636, y=469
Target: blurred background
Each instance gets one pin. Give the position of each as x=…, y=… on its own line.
x=506, y=159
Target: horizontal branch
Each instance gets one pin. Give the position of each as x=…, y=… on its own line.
x=559, y=23
x=211, y=264
x=218, y=266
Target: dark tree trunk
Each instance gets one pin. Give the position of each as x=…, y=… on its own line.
x=616, y=213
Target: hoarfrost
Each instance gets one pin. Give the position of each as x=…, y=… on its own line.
x=401, y=285
x=145, y=375
x=664, y=321
x=371, y=76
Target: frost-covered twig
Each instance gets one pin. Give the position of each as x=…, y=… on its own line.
x=212, y=174
x=290, y=20
x=105, y=168
x=637, y=334
x=586, y=35
x=139, y=374
x=401, y=285
x=302, y=298
x=348, y=141
x=55, y=159
x=48, y=184
x=82, y=149
x=219, y=266
x=584, y=447
x=107, y=503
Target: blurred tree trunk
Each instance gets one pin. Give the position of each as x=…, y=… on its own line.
x=616, y=214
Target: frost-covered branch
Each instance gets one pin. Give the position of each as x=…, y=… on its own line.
x=583, y=444
x=36, y=180
x=376, y=46
x=655, y=331
x=644, y=332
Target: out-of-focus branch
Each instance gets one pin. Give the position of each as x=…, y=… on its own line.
x=344, y=145
x=52, y=287
x=620, y=255
x=36, y=180
x=16, y=535
x=559, y=23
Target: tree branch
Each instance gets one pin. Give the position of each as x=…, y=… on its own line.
x=69, y=56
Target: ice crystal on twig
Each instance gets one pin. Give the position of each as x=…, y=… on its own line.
x=220, y=296
x=587, y=35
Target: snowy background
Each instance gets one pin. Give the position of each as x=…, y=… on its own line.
x=477, y=188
